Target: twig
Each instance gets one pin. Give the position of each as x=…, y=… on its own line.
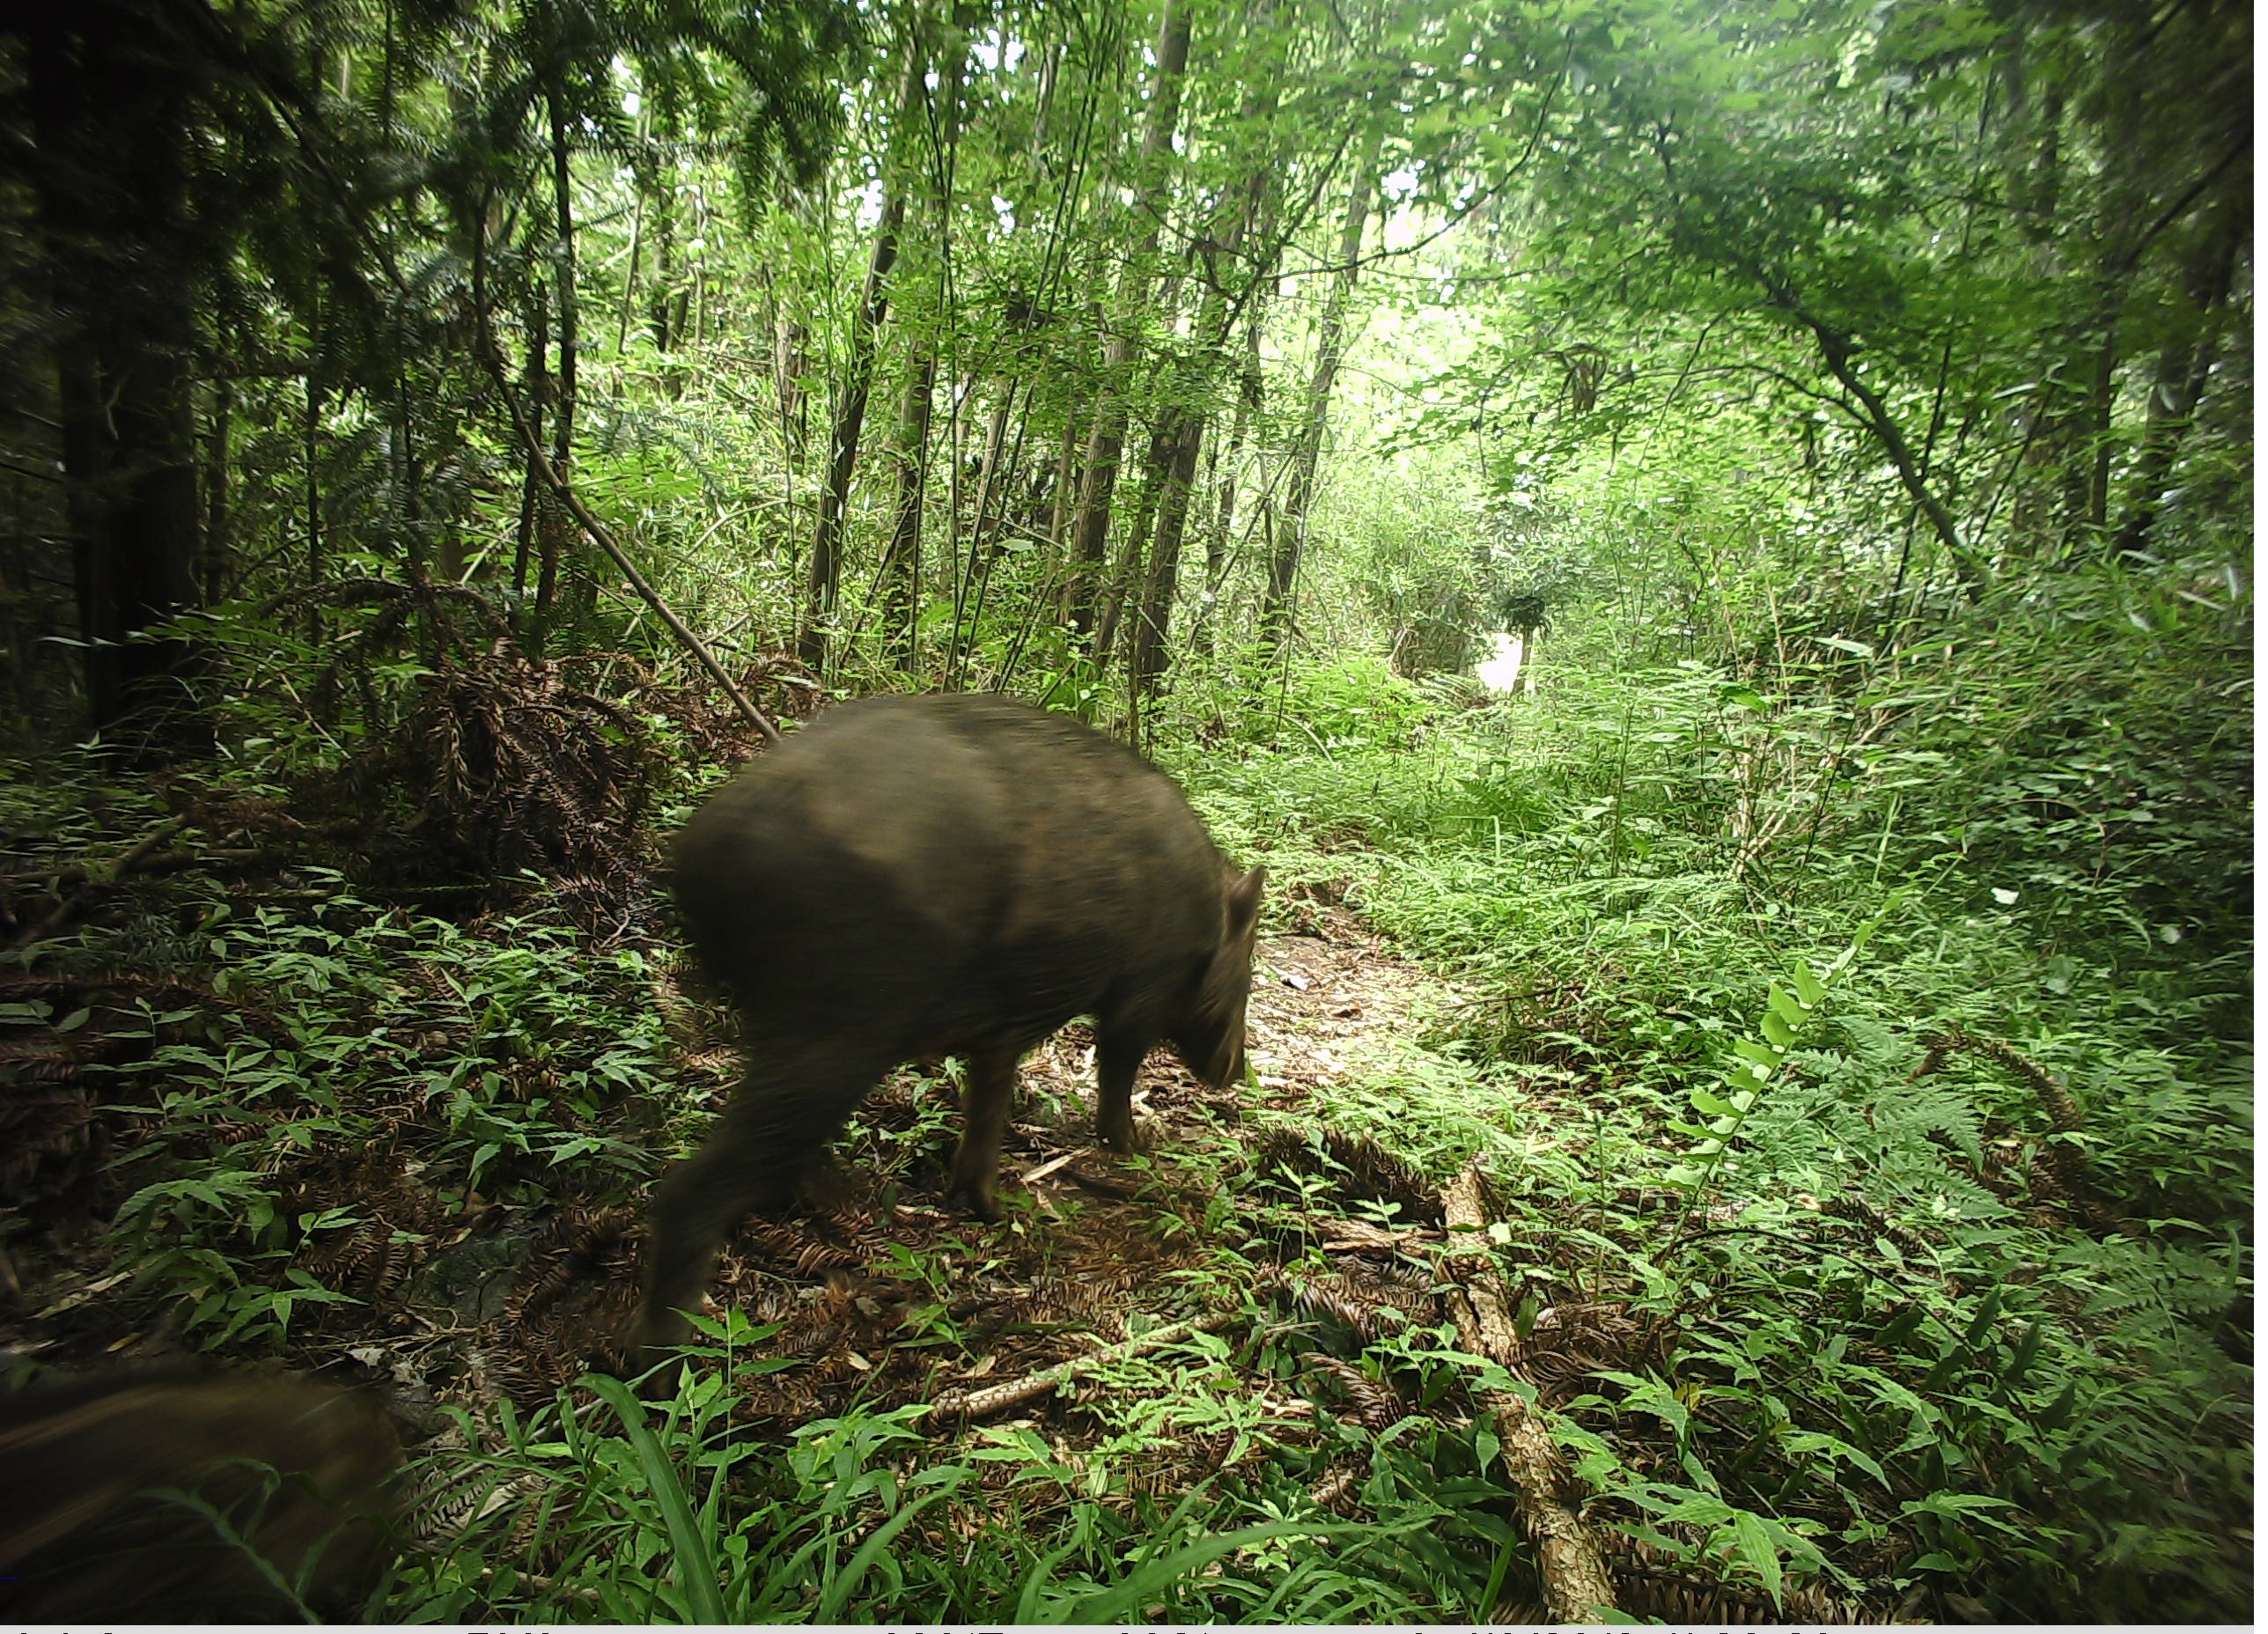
x=67, y=908
x=1576, y=1586
x=1016, y=1392
x=1052, y=1165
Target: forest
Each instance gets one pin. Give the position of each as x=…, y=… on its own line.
x=1705, y=549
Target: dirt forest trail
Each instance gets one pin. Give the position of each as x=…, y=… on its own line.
x=1319, y=996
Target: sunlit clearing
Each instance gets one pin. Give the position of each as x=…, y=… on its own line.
x=1499, y=672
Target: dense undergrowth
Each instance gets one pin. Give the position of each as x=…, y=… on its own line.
x=1857, y=1052
x=1957, y=1280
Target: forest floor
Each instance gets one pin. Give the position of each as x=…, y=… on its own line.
x=1167, y=1318
x=873, y=1294
x=455, y=1295
x=885, y=1295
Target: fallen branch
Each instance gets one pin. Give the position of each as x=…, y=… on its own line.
x=1576, y=1586
x=1016, y=1392
x=159, y=862
x=67, y=908
x=1052, y=1165
x=1338, y=1236
x=1117, y=1191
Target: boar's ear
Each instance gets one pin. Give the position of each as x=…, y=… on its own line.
x=1243, y=896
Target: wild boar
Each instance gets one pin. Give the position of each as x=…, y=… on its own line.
x=294, y=1477
x=941, y=875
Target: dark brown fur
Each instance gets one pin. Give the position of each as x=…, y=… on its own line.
x=86, y=1537
x=928, y=876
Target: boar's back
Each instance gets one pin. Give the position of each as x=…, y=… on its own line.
x=945, y=869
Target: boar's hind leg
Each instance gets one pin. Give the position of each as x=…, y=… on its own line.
x=976, y=1164
x=788, y=1107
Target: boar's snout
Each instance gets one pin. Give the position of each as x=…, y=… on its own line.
x=1212, y=1044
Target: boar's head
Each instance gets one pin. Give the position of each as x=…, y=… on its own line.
x=1211, y=1039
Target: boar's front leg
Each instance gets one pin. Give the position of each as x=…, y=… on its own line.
x=976, y=1164
x=1118, y=1055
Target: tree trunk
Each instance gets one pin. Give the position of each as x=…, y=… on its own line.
x=131, y=446
x=1147, y=662
x=823, y=586
x=551, y=536
x=1175, y=447
x=310, y=426
x=562, y=197
x=2031, y=141
x=1056, y=523
x=665, y=308
x=531, y=486
x=2184, y=367
x=402, y=456
x=643, y=181
x=990, y=482
x=790, y=341
x=1066, y=484
x=1121, y=587
x=970, y=582
x=902, y=562
x=1306, y=452
x=1099, y=475
x=1250, y=400
x=216, y=551
x=1181, y=435
x=109, y=108
x=2117, y=240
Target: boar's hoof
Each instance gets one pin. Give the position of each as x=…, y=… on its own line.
x=660, y=1382
x=647, y=1356
x=982, y=1203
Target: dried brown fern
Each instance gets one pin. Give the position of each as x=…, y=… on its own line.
x=1655, y=1584
x=1377, y=1405
x=1570, y=1342
x=489, y=761
x=2060, y=1172
x=363, y=1260
x=1357, y=1169
x=58, y=1124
